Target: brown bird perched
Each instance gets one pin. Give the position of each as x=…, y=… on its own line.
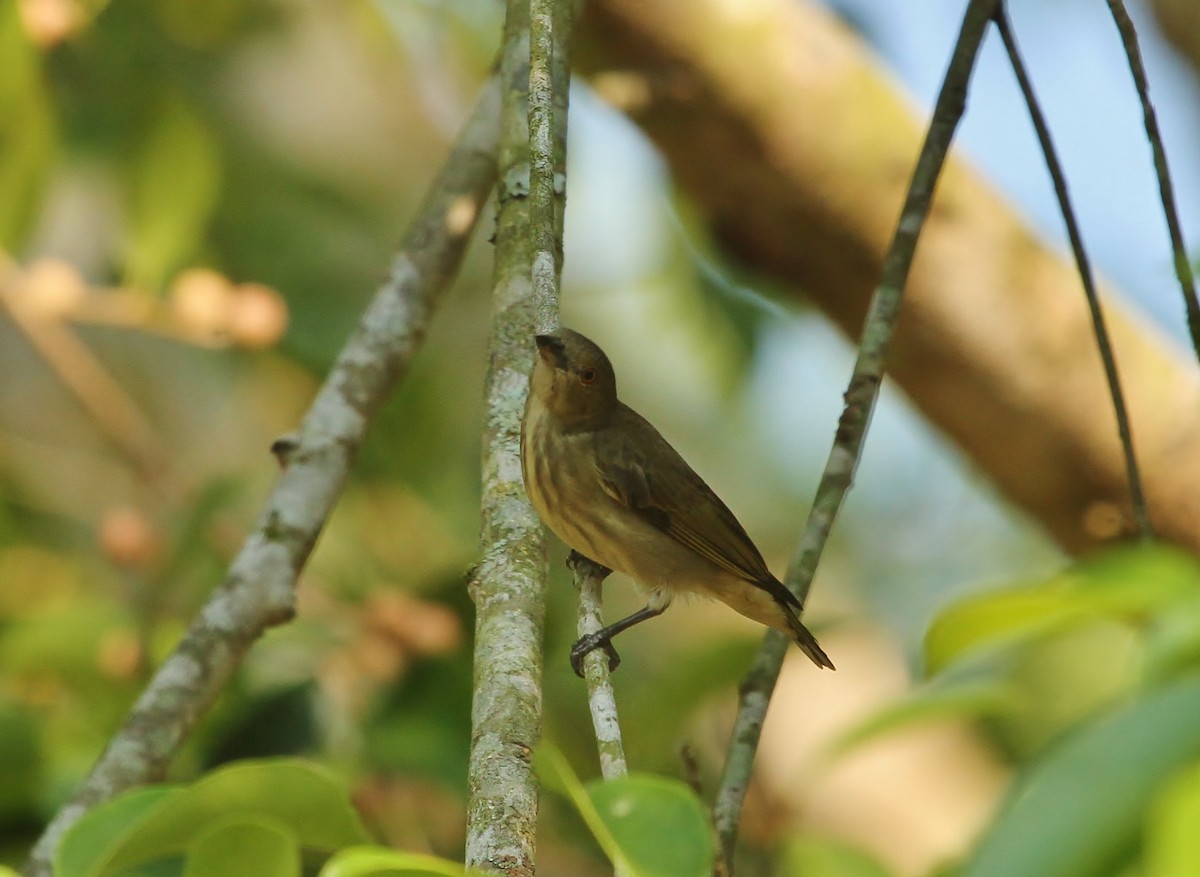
x=613, y=489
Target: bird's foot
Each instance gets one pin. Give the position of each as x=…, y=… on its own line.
x=585, y=566
x=589, y=643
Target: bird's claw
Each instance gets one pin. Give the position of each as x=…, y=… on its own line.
x=585, y=566
x=586, y=644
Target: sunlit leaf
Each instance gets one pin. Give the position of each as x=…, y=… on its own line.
x=825, y=857
x=94, y=839
x=658, y=823
x=556, y=775
x=1172, y=843
x=27, y=129
x=1173, y=642
x=1124, y=583
x=1078, y=811
x=648, y=826
x=369, y=861
x=244, y=847
x=134, y=829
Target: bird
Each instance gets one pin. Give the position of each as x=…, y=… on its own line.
x=616, y=492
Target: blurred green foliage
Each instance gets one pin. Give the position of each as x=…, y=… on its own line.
x=280, y=146
x=1090, y=680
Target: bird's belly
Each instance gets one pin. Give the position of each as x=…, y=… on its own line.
x=565, y=492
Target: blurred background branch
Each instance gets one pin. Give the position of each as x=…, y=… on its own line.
x=1002, y=360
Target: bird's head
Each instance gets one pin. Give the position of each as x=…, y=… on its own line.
x=574, y=379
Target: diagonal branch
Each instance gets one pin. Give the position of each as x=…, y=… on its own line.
x=602, y=701
x=258, y=590
x=860, y=399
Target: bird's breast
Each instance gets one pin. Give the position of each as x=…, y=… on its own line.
x=561, y=482
x=563, y=486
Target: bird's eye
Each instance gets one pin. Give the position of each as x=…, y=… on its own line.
x=588, y=376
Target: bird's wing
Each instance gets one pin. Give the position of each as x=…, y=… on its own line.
x=638, y=468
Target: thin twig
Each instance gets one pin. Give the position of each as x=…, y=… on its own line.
x=545, y=226
x=1137, y=497
x=1183, y=265
x=548, y=92
x=860, y=399
x=258, y=591
x=102, y=397
x=509, y=588
x=589, y=579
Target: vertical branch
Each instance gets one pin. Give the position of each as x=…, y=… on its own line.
x=509, y=585
x=602, y=702
x=1137, y=497
x=547, y=161
x=860, y=399
x=549, y=91
x=258, y=590
x=1183, y=267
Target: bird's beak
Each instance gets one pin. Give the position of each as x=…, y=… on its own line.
x=552, y=350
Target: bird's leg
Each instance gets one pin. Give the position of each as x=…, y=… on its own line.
x=583, y=567
x=602, y=639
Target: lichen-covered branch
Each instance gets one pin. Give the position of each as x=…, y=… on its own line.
x=602, y=701
x=548, y=67
x=860, y=397
x=508, y=587
x=258, y=590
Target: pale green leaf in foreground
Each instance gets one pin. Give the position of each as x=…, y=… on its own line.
x=648, y=826
x=243, y=848
x=369, y=861
x=150, y=824
x=1079, y=810
x=1127, y=583
x=825, y=857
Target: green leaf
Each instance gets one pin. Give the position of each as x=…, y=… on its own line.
x=658, y=824
x=172, y=194
x=930, y=703
x=100, y=833
x=1078, y=811
x=257, y=847
x=1173, y=643
x=368, y=861
x=27, y=129
x=648, y=826
x=556, y=774
x=295, y=794
x=824, y=857
x=21, y=761
x=1131, y=582
x=1172, y=844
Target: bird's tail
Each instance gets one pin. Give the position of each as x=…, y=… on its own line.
x=807, y=642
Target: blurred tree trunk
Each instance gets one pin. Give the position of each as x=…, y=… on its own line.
x=798, y=149
x=1180, y=24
